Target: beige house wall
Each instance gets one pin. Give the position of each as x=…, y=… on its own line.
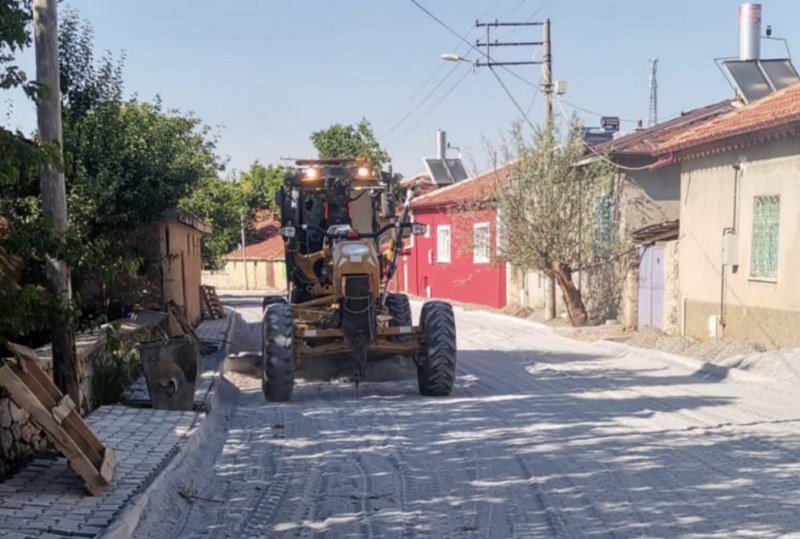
x=233, y=276
x=181, y=266
x=648, y=196
x=761, y=310
x=527, y=289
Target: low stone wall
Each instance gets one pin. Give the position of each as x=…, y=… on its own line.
x=20, y=438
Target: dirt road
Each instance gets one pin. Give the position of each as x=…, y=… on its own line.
x=543, y=437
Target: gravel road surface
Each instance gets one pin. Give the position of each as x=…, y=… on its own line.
x=542, y=437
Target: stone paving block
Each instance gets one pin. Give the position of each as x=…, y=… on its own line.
x=48, y=497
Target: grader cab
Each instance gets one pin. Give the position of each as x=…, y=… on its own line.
x=342, y=239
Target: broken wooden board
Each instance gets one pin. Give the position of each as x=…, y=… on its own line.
x=32, y=390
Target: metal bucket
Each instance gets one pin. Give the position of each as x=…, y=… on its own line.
x=170, y=369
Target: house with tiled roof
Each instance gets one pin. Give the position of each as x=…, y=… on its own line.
x=739, y=252
x=258, y=265
x=644, y=194
x=456, y=258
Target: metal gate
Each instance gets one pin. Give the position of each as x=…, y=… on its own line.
x=651, y=287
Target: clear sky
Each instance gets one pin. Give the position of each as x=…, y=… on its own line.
x=270, y=72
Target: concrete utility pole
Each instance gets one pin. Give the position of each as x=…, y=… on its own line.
x=547, y=89
x=244, y=255
x=66, y=371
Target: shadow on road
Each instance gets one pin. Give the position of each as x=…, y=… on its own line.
x=530, y=444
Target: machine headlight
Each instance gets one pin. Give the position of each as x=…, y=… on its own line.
x=355, y=249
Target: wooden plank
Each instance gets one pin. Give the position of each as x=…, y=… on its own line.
x=25, y=399
x=63, y=409
x=49, y=395
x=109, y=463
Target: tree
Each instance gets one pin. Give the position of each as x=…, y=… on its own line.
x=546, y=208
x=356, y=140
x=260, y=185
x=220, y=203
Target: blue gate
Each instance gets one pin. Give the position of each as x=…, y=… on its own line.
x=651, y=287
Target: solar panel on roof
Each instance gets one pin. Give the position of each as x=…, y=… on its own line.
x=437, y=169
x=748, y=78
x=456, y=169
x=781, y=72
x=755, y=79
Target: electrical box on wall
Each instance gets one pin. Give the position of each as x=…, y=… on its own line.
x=730, y=248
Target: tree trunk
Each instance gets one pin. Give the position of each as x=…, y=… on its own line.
x=572, y=296
x=66, y=370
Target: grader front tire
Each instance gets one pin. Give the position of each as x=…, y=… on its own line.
x=277, y=378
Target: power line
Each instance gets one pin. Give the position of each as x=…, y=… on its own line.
x=511, y=97
x=391, y=119
x=430, y=109
x=587, y=111
x=398, y=123
x=598, y=154
x=462, y=38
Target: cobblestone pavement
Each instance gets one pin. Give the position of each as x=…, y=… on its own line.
x=47, y=500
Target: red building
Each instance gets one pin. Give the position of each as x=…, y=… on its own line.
x=456, y=259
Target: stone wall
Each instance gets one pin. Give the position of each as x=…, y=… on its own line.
x=20, y=438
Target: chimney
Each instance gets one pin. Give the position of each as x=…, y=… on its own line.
x=749, y=31
x=441, y=144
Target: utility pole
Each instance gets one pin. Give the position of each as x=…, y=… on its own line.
x=244, y=254
x=547, y=90
x=66, y=371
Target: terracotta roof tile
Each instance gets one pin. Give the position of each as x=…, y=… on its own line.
x=646, y=141
x=267, y=244
x=478, y=189
x=779, y=109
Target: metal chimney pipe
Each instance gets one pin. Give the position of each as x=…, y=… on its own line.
x=749, y=31
x=441, y=144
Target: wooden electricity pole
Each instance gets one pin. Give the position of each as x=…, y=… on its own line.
x=54, y=199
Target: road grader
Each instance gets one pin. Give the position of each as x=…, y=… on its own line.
x=342, y=237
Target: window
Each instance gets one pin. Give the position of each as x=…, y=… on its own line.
x=764, y=250
x=443, y=244
x=602, y=223
x=480, y=243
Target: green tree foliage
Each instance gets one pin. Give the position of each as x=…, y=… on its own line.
x=356, y=140
x=260, y=185
x=26, y=306
x=126, y=163
x=221, y=204
x=225, y=204
x=546, y=207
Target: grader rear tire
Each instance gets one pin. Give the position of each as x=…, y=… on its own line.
x=400, y=309
x=277, y=378
x=437, y=373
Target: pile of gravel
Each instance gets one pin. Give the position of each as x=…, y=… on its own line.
x=654, y=338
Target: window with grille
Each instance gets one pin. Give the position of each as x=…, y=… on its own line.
x=764, y=249
x=602, y=224
x=443, y=244
x=480, y=243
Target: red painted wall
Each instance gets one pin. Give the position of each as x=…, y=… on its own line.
x=461, y=279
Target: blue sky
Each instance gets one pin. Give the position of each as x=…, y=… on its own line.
x=270, y=72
